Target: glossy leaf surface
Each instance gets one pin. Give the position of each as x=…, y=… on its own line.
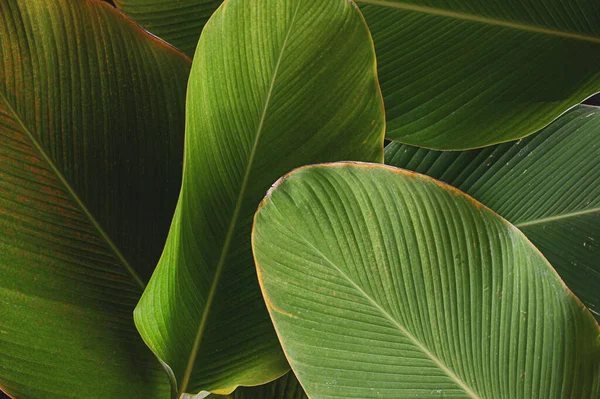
x=275, y=84
x=383, y=283
x=548, y=185
x=460, y=74
x=91, y=142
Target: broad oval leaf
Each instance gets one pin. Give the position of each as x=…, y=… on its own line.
x=470, y=73
x=91, y=145
x=499, y=69
x=547, y=185
x=275, y=84
x=383, y=283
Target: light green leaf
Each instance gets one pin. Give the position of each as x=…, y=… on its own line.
x=91, y=143
x=548, y=185
x=383, y=283
x=470, y=73
x=275, y=84
x=285, y=387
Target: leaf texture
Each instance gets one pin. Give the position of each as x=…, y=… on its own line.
x=91, y=142
x=384, y=283
x=275, y=84
x=548, y=185
x=466, y=74
x=498, y=70
x=285, y=387
x=178, y=22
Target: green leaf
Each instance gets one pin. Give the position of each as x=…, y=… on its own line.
x=91, y=144
x=178, y=22
x=275, y=84
x=499, y=70
x=384, y=283
x=470, y=73
x=548, y=185
x=285, y=387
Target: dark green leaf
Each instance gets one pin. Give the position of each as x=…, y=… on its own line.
x=178, y=22
x=91, y=139
x=461, y=74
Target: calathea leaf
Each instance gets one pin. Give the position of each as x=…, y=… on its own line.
x=91, y=143
x=548, y=185
x=469, y=73
x=275, y=84
x=384, y=283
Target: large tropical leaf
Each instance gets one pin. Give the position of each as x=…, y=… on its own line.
x=383, y=283
x=91, y=144
x=470, y=73
x=548, y=185
x=275, y=84
x=499, y=69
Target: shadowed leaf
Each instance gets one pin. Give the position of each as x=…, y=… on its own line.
x=91, y=142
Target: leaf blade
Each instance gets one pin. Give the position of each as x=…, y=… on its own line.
x=423, y=252
x=262, y=99
x=461, y=67
x=74, y=160
x=546, y=185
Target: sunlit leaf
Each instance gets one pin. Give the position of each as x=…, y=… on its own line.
x=275, y=84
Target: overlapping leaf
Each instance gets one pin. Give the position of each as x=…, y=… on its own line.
x=383, y=283
x=178, y=22
x=91, y=140
x=548, y=185
x=500, y=69
x=275, y=84
x=468, y=73
x=285, y=387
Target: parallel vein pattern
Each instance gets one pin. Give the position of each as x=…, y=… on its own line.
x=275, y=84
x=387, y=284
x=87, y=152
x=464, y=74
x=548, y=185
x=178, y=22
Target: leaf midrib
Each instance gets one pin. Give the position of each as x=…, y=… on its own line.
x=234, y=218
x=556, y=218
x=396, y=323
x=484, y=20
x=112, y=246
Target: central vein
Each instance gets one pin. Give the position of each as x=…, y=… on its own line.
x=236, y=213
